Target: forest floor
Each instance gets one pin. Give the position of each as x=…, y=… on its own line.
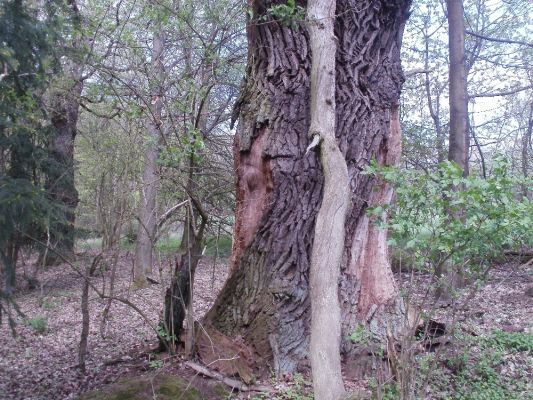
x=41, y=361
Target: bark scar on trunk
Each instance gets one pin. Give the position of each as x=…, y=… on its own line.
x=254, y=185
x=370, y=243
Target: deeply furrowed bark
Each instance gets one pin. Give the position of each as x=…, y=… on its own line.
x=60, y=177
x=279, y=188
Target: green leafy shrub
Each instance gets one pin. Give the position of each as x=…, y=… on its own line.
x=493, y=216
x=510, y=341
x=480, y=380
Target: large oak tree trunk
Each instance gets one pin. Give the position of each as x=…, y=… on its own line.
x=279, y=189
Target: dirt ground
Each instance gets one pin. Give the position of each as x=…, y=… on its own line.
x=41, y=361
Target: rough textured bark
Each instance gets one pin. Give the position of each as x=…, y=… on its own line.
x=279, y=188
x=179, y=296
x=328, y=244
x=147, y=205
x=60, y=177
x=459, y=138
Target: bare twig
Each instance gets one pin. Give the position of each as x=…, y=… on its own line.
x=498, y=40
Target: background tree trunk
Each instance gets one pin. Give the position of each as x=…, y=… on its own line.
x=526, y=150
x=459, y=138
x=147, y=214
x=60, y=176
x=279, y=189
x=60, y=179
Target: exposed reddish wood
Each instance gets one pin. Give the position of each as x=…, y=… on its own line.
x=372, y=265
x=254, y=184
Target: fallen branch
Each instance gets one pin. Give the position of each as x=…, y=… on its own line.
x=527, y=263
x=117, y=361
x=525, y=253
x=233, y=383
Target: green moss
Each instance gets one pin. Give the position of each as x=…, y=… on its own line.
x=166, y=387
x=220, y=391
x=173, y=387
x=128, y=389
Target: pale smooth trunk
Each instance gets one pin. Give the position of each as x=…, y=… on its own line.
x=459, y=138
x=328, y=244
x=147, y=206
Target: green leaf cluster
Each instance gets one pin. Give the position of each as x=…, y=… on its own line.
x=288, y=14
x=443, y=216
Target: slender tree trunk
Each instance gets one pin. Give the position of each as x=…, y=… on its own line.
x=279, y=188
x=179, y=297
x=147, y=206
x=459, y=138
x=328, y=244
x=526, y=150
x=434, y=108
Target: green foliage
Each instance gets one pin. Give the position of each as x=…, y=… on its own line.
x=222, y=246
x=164, y=335
x=386, y=391
x=39, y=324
x=168, y=245
x=190, y=145
x=435, y=222
x=481, y=380
x=509, y=341
x=27, y=61
x=361, y=335
x=475, y=371
x=156, y=364
x=288, y=14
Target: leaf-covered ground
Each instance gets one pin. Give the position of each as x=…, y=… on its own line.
x=41, y=362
